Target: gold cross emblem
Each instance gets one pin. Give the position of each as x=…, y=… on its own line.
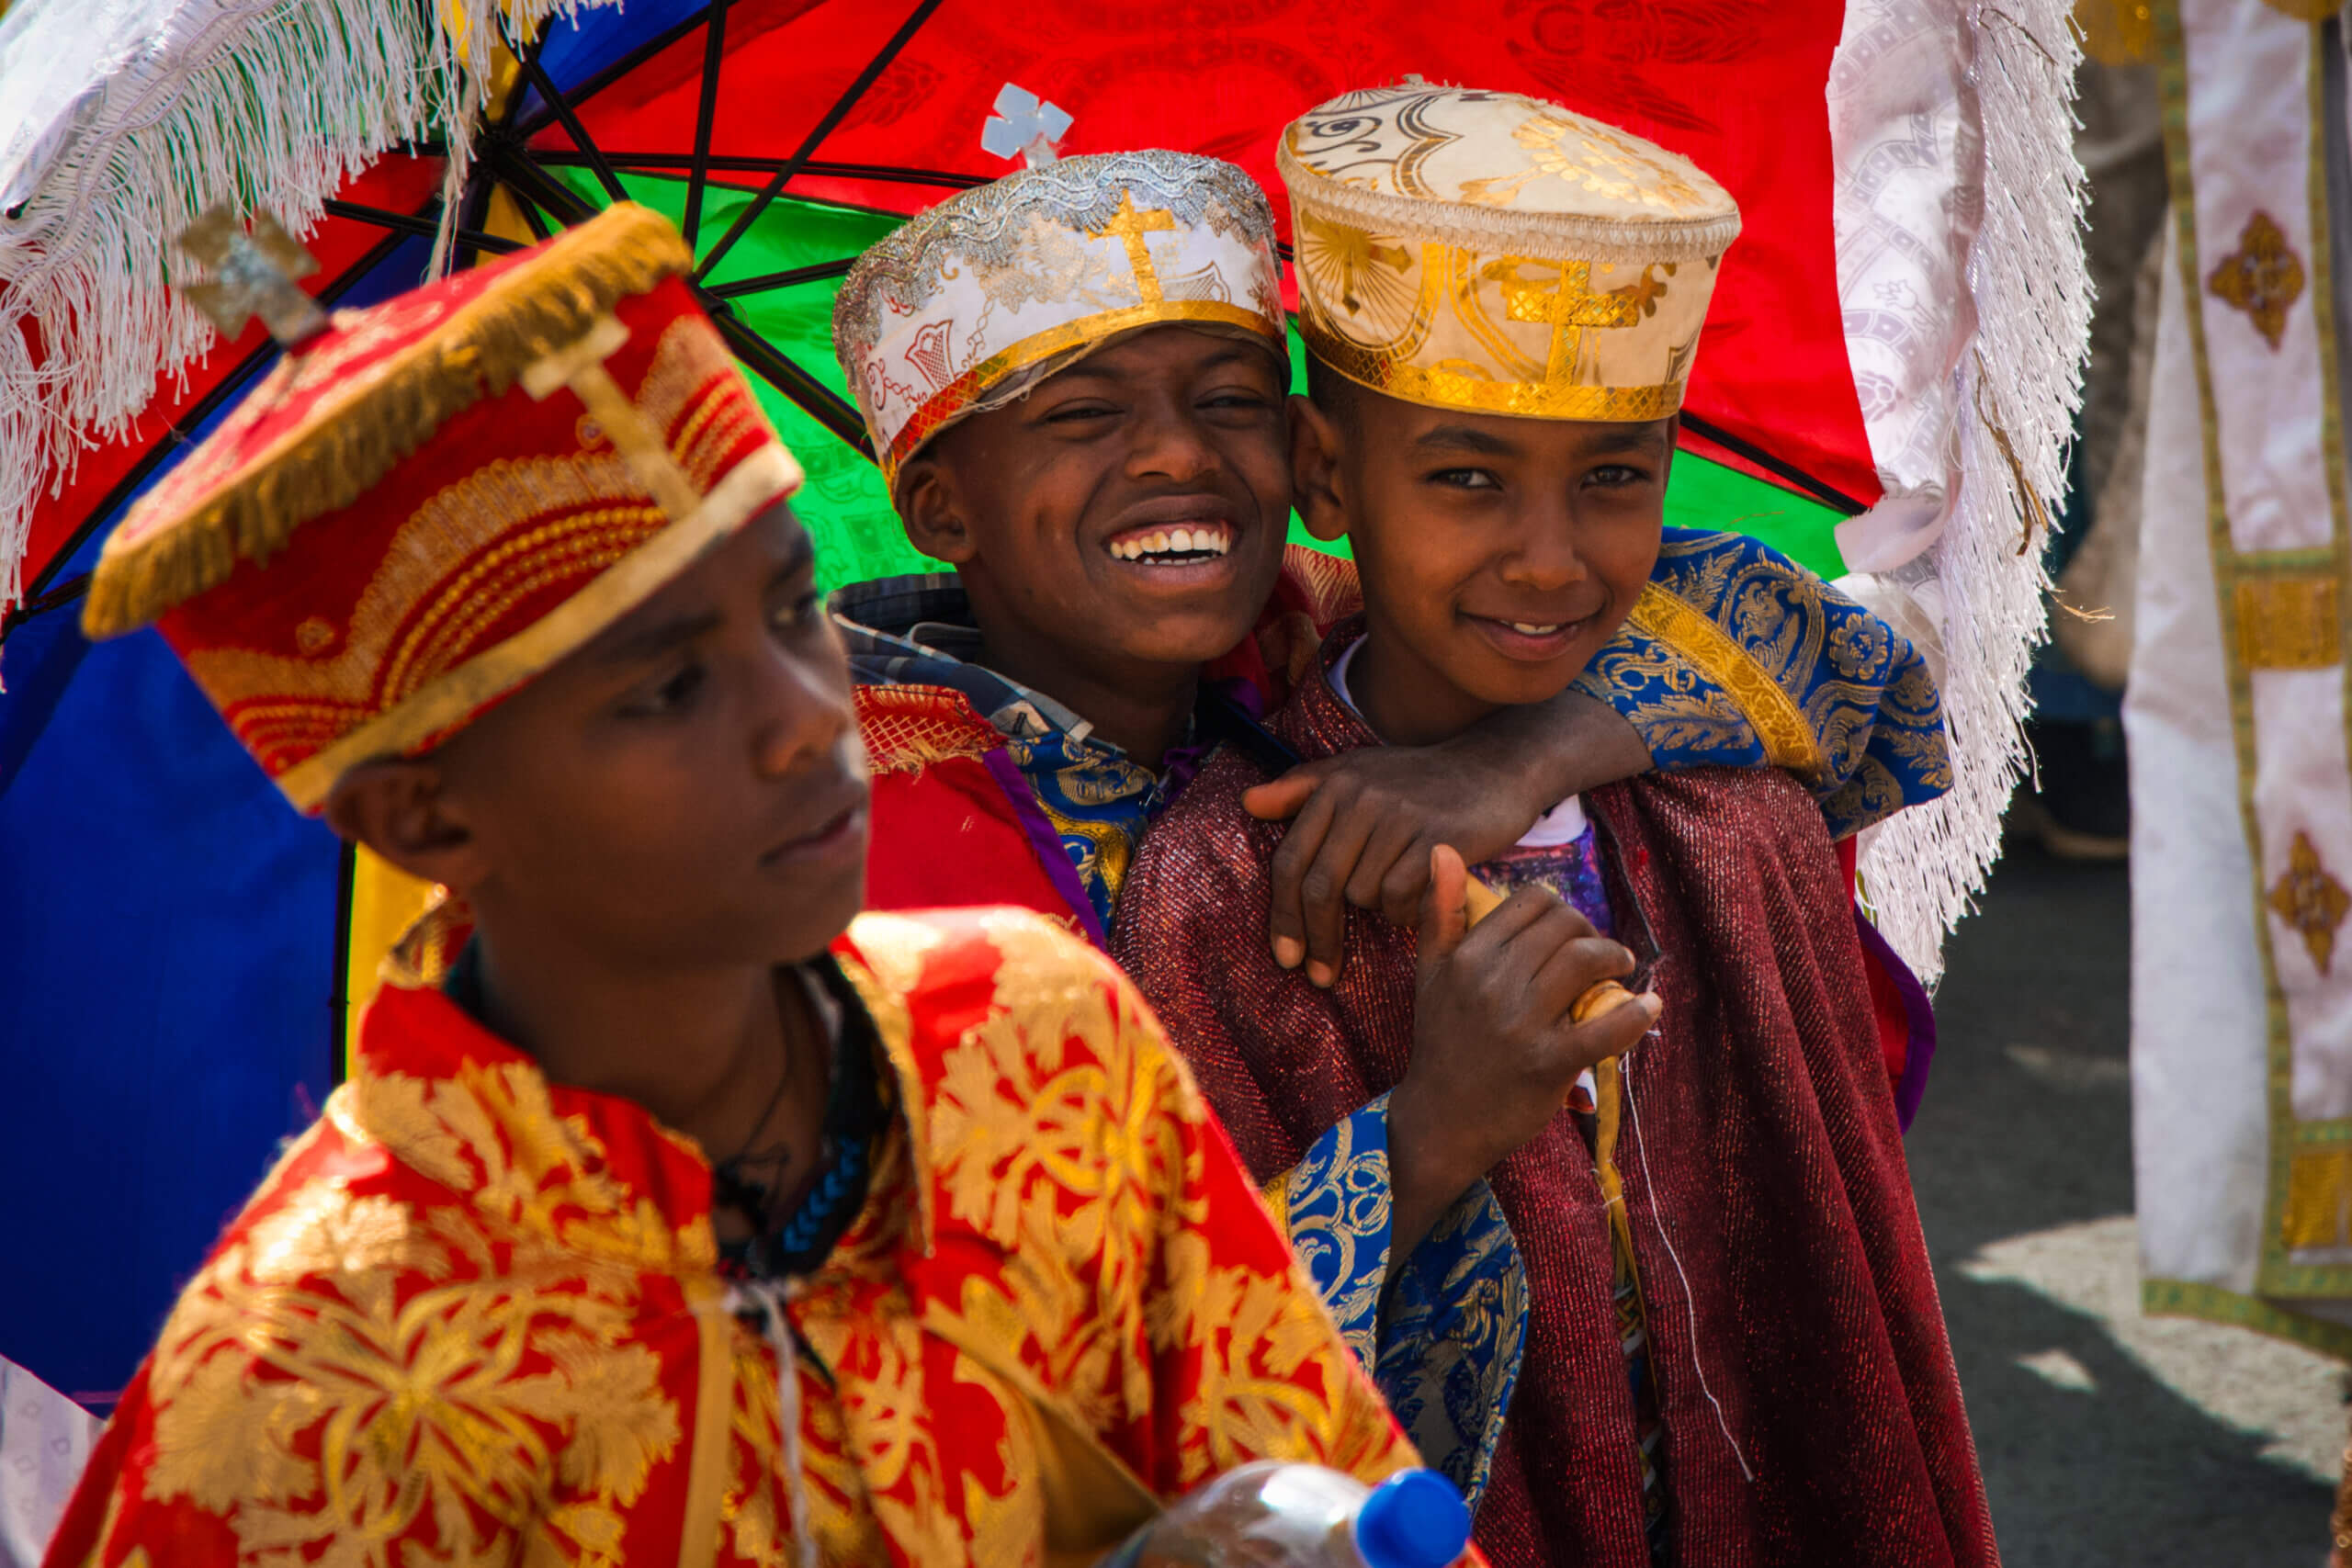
x=2263, y=276
x=1568, y=302
x=252, y=275
x=2311, y=901
x=1129, y=226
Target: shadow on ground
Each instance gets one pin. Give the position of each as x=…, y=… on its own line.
x=2088, y=1458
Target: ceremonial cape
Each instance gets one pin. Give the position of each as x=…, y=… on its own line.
x=1756, y=1129
x=475, y=1317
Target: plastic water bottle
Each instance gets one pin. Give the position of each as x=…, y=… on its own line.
x=1269, y=1515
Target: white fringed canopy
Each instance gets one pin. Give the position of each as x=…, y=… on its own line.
x=1960, y=264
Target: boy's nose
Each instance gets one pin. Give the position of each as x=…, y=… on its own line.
x=1169, y=444
x=1548, y=557
x=801, y=714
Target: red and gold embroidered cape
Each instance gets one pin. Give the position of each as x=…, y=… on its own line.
x=475, y=1318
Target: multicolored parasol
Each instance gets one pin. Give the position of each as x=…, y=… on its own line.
x=179, y=954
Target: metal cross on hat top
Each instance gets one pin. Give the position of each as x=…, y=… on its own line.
x=1025, y=126
x=252, y=275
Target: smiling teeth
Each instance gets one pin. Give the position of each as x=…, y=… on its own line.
x=1209, y=540
x=1526, y=628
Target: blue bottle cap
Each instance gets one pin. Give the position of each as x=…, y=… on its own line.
x=1414, y=1519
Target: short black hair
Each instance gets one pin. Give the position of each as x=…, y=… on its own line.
x=1334, y=393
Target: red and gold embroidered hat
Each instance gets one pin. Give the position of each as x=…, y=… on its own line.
x=431, y=501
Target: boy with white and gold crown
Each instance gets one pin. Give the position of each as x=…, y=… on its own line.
x=1732, y=1351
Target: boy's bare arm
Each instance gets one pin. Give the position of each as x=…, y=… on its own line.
x=1366, y=821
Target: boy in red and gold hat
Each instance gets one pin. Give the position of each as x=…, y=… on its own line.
x=499, y=578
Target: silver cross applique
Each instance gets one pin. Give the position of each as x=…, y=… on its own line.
x=1025, y=126
x=252, y=275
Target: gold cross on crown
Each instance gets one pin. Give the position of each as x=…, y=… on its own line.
x=1129, y=226
x=252, y=275
x=1570, y=302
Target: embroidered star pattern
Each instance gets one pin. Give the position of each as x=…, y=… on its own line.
x=2311, y=900
x=2263, y=277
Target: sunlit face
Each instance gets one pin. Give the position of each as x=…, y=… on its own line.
x=689, y=787
x=1132, y=507
x=1498, y=553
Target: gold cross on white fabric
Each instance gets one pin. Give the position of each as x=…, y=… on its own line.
x=1129, y=226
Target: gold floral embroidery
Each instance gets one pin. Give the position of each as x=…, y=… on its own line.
x=2263, y=277
x=457, y=1403
x=491, y=1133
x=2308, y=898
x=1255, y=1332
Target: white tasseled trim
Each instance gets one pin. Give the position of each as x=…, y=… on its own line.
x=268, y=103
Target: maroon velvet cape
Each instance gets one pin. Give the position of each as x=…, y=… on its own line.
x=1766, y=1146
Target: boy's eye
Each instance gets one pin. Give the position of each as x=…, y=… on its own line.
x=1076, y=413
x=672, y=695
x=1235, y=397
x=1465, y=478
x=1618, y=474
x=799, y=614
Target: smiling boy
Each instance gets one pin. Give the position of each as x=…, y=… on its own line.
x=1732, y=1349
x=670, y=1215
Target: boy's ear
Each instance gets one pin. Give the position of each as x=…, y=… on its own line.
x=1318, y=484
x=932, y=513
x=399, y=807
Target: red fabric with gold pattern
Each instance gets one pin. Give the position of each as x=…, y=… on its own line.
x=437, y=498
x=475, y=1317
x=954, y=822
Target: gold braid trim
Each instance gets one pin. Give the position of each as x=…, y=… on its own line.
x=347, y=446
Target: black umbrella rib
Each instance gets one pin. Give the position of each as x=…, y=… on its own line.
x=883, y=174
x=824, y=128
x=714, y=52
x=517, y=169
x=410, y=223
x=1829, y=496
x=38, y=599
x=573, y=129
x=815, y=399
x=590, y=86
x=785, y=279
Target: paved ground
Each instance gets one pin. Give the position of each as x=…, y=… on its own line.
x=2106, y=1438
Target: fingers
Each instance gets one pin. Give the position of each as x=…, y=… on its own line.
x=1445, y=909
x=1393, y=836
x=1322, y=892
x=1281, y=798
x=1286, y=921
x=1610, y=1033
x=1407, y=877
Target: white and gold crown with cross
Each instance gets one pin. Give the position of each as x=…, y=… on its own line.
x=977, y=299
x=1498, y=254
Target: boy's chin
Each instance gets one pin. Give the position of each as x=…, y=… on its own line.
x=1176, y=641
x=1507, y=683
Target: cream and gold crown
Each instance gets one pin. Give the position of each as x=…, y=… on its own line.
x=985, y=293
x=1499, y=253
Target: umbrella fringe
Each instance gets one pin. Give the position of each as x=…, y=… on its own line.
x=547, y=301
x=265, y=104
x=2012, y=398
